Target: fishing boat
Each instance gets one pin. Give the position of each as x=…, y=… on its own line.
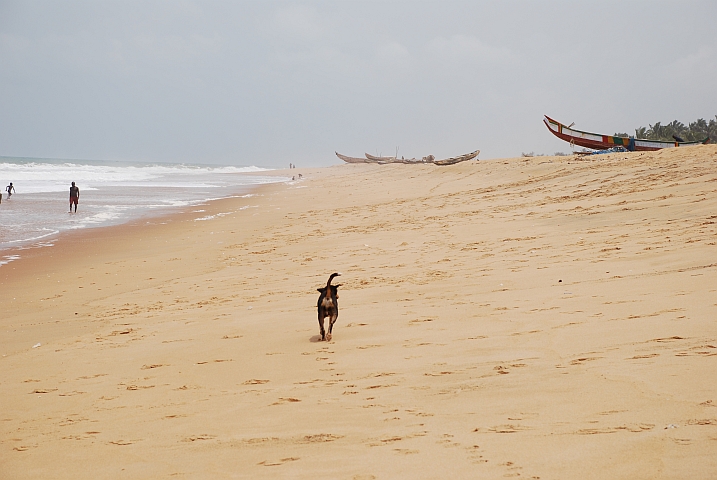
x=601, y=142
x=385, y=160
x=457, y=159
x=382, y=160
x=427, y=159
x=350, y=159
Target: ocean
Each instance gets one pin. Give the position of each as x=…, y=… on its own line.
x=111, y=193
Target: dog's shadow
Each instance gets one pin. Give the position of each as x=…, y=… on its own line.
x=315, y=339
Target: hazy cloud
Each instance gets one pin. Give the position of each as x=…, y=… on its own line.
x=296, y=22
x=694, y=65
x=467, y=48
x=271, y=82
x=393, y=54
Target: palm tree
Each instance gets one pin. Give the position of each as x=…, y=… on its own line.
x=694, y=131
x=655, y=131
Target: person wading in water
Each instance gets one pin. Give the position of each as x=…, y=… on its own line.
x=74, y=196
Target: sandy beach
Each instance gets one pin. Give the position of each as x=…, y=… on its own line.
x=542, y=317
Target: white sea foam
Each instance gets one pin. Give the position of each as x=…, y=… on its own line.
x=50, y=232
x=52, y=176
x=216, y=215
x=36, y=245
x=8, y=258
x=110, y=193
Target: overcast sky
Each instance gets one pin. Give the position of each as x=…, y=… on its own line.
x=268, y=83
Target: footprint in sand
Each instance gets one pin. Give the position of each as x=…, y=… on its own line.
x=255, y=381
x=215, y=361
x=156, y=365
x=121, y=443
x=44, y=390
x=509, y=428
x=72, y=393
x=319, y=438
x=405, y=451
x=580, y=361
x=282, y=401
x=385, y=441
x=638, y=357
x=276, y=463
x=196, y=438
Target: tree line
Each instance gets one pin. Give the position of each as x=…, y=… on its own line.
x=693, y=132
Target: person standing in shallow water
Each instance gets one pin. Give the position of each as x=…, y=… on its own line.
x=74, y=196
x=10, y=190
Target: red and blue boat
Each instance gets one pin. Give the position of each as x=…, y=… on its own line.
x=596, y=141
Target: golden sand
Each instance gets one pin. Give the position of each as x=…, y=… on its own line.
x=546, y=317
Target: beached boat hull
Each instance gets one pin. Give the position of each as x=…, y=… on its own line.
x=596, y=141
x=458, y=159
x=384, y=160
x=427, y=159
x=373, y=158
x=350, y=159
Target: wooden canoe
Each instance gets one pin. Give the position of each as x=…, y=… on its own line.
x=350, y=159
x=373, y=159
x=596, y=141
x=458, y=159
x=385, y=160
x=427, y=159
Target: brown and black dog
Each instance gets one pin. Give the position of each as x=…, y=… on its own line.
x=328, y=306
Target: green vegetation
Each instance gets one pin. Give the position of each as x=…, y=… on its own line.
x=694, y=132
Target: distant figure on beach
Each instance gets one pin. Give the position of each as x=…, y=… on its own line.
x=74, y=196
x=10, y=190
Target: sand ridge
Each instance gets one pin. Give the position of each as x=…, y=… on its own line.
x=545, y=317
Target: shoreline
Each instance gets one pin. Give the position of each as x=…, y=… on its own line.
x=62, y=256
x=12, y=253
x=167, y=215
x=546, y=316
x=113, y=194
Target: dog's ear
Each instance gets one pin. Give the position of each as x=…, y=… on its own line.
x=337, y=286
x=322, y=290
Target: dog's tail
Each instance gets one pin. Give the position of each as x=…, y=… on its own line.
x=328, y=284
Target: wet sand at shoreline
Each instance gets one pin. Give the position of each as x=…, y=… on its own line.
x=544, y=317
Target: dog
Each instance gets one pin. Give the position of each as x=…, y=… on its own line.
x=328, y=306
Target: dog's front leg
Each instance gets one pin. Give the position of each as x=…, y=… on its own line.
x=332, y=320
x=321, y=326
